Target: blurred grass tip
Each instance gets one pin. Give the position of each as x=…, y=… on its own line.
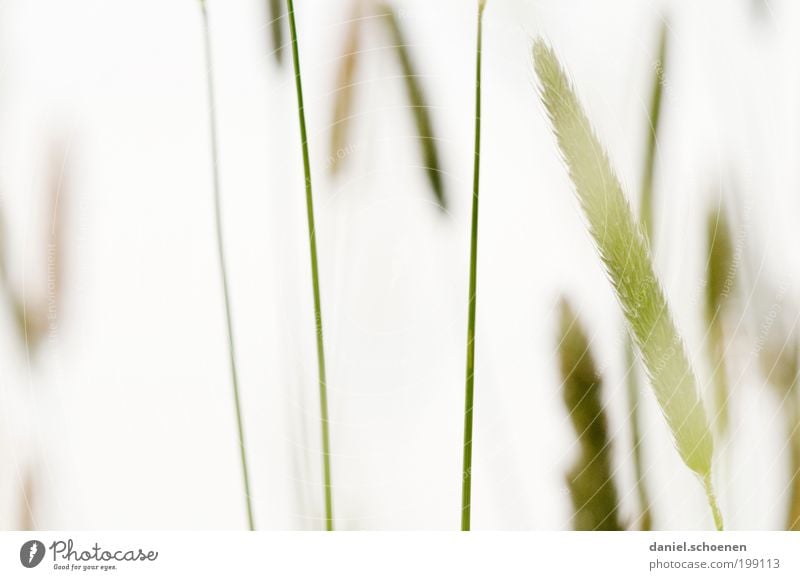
x=418, y=105
x=590, y=482
x=625, y=254
x=779, y=357
x=721, y=277
x=793, y=522
x=277, y=36
x=344, y=95
x=654, y=121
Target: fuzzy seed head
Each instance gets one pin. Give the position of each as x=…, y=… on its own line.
x=625, y=254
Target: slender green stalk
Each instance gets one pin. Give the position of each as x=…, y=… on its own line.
x=646, y=220
x=323, y=389
x=466, y=473
x=624, y=252
x=222, y=265
x=712, y=501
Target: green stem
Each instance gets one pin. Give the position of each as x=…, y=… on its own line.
x=712, y=501
x=646, y=220
x=323, y=393
x=466, y=486
x=222, y=264
x=654, y=119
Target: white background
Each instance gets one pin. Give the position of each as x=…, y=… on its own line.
x=125, y=418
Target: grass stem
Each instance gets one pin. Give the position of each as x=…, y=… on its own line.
x=466, y=485
x=222, y=264
x=276, y=30
x=323, y=392
x=646, y=219
x=712, y=502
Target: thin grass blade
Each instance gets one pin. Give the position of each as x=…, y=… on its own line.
x=466, y=471
x=312, y=239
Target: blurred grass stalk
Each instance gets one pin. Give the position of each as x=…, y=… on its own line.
x=623, y=249
x=35, y=312
x=346, y=88
x=591, y=485
x=276, y=29
x=222, y=264
x=312, y=238
x=790, y=361
x=344, y=96
x=721, y=274
x=466, y=472
x=793, y=519
x=780, y=362
x=646, y=220
x=418, y=103
x=27, y=518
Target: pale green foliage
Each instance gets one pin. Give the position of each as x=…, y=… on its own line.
x=625, y=254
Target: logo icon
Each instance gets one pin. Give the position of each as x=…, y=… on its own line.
x=31, y=553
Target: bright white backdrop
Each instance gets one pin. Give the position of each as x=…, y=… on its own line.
x=126, y=415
